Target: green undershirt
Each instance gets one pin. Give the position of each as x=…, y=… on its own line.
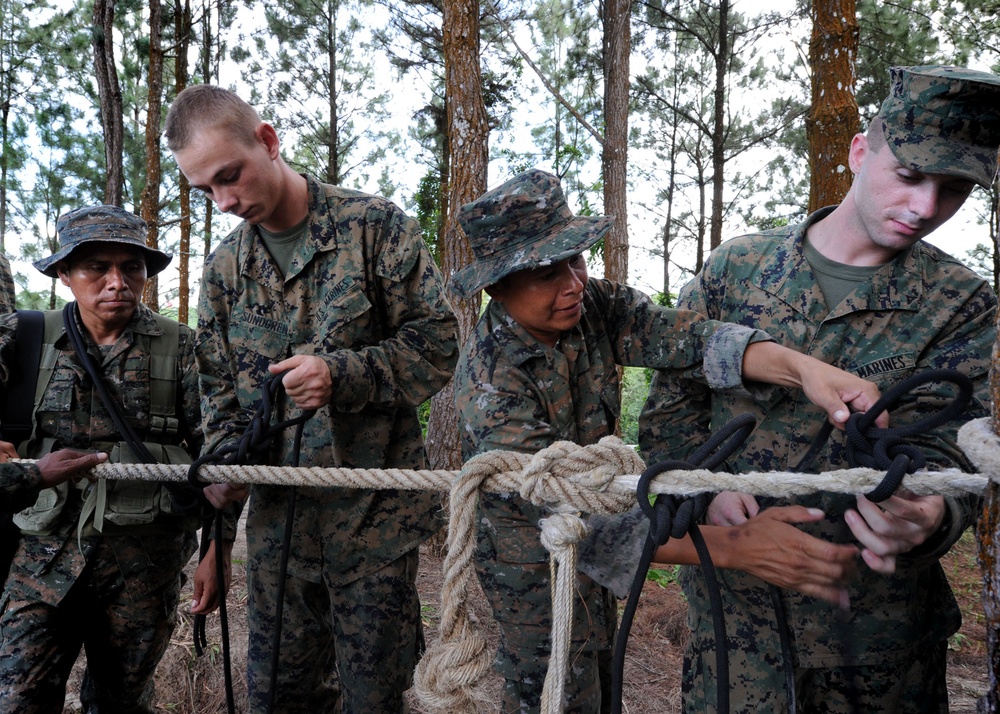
x=283, y=245
x=836, y=280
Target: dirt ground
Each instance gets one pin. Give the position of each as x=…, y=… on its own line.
x=190, y=685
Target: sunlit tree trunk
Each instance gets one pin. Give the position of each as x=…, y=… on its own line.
x=110, y=94
x=833, y=115
x=614, y=158
x=468, y=136
x=149, y=203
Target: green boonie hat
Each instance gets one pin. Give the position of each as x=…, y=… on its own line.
x=944, y=120
x=102, y=224
x=523, y=223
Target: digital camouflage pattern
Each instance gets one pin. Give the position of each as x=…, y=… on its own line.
x=102, y=224
x=119, y=589
x=523, y=223
x=7, y=288
x=364, y=294
x=19, y=485
x=514, y=393
x=363, y=619
x=924, y=310
x=944, y=120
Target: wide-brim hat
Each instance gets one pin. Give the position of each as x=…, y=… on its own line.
x=523, y=223
x=102, y=224
x=944, y=120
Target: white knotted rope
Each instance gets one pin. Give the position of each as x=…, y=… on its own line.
x=567, y=479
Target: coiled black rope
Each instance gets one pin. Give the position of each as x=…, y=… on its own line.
x=252, y=447
x=673, y=517
x=884, y=449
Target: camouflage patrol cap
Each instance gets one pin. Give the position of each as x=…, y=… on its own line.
x=944, y=120
x=523, y=223
x=101, y=224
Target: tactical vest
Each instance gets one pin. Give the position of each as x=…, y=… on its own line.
x=122, y=503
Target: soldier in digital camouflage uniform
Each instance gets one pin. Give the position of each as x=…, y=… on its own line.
x=7, y=289
x=336, y=287
x=541, y=366
x=99, y=563
x=854, y=285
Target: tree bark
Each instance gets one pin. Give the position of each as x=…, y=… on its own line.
x=149, y=203
x=468, y=136
x=719, y=128
x=110, y=94
x=833, y=118
x=614, y=156
x=182, y=33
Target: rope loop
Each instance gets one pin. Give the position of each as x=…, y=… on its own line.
x=253, y=445
x=887, y=449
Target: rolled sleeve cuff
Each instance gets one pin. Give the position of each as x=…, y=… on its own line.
x=723, y=362
x=352, y=383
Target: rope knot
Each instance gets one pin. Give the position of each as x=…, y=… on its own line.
x=562, y=531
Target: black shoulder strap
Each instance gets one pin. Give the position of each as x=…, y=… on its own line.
x=20, y=391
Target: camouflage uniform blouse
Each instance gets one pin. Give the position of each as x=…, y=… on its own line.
x=19, y=485
x=71, y=415
x=515, y=393
x=924, y=310
x=364, y=294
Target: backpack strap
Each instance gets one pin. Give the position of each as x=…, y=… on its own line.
x=18, y=414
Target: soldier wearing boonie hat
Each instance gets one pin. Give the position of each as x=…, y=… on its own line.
x=856, y=285
x=99, y=565
x=102, y=224
x=541, y=366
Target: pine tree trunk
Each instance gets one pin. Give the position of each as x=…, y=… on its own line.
x=110, y=94
x=149, y=203
x=833, y=117
x=617, y=48
x=468, y=136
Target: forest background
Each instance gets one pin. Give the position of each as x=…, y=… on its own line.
x=690, y=121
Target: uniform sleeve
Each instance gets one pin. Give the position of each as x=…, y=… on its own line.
x=676, y=418
x=19, y=486
x=645, y=334
x=965, y=347
x=416, y=357
x=222, y=417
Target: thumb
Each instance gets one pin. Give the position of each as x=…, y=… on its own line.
x=794, y=514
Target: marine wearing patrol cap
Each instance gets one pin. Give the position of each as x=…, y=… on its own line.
x=944, y=120
x=102, y=224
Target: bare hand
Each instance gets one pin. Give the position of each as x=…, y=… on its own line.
x=839, y=393
x=308, y=382
x=7, y=451
x=894, y=526
x=221, y=495
x=60, y=466
x=730, y=508
x=206, y=596
x=771, y=548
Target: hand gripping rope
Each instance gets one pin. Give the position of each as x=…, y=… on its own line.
x=252, y=447
x=866, y=445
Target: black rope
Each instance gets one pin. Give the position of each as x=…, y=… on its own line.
x=885, y=449
x=252, y=447
x=673, y=517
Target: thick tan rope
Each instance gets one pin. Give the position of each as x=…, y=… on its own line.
x=567, y=479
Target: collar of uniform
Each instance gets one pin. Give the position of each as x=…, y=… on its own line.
x=785, y=273
x=517, y=343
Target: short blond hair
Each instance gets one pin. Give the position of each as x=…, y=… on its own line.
x=206, y=105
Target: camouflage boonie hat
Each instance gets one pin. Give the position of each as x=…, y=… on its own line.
x=102, y=224
x=523, y=223
x=944, y=120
